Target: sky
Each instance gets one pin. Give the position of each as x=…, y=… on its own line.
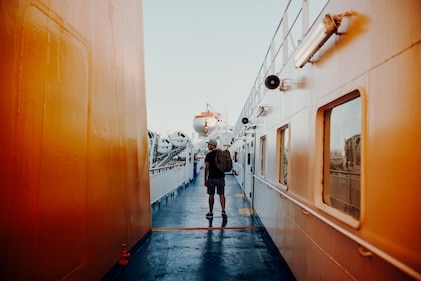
x=203, y=52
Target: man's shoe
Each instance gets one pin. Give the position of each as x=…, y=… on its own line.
x=224, y=215
x=209, y=215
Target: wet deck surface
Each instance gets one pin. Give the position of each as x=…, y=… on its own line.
x=184, y=245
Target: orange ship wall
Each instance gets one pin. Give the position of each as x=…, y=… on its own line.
x=74, y=175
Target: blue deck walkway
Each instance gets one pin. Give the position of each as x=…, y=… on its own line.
x=184, y=245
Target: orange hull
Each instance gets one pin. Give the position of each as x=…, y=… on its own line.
x=74, y=181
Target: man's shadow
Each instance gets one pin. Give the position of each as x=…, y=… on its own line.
x=224, y=222
x=213, y=266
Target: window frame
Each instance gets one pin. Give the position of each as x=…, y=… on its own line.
x=280, y=146
x=262, y=164
x=320, y=156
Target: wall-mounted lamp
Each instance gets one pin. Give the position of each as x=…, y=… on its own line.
x=261, y=110
x=318, y=37
x=249, y=128
x=245, y=120
x=272, y=82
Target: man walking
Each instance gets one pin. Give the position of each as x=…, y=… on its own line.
x=214, y=179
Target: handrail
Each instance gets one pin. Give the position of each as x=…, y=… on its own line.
x=165, y=168
x=398, y=264
x=169, y=166
x=164, y=181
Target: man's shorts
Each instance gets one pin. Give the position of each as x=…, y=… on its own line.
x=218, y=183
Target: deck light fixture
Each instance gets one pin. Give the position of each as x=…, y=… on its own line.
x=261, y=110
x=272, y=82
x=318, y=37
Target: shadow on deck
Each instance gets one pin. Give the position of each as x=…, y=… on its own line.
x=184, y=245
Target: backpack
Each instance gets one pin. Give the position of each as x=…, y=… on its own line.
x=223, y=160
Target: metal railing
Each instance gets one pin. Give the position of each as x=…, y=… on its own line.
x=293, y=26
x=165, y=180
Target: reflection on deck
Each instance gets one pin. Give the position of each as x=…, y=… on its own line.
x=184, y=245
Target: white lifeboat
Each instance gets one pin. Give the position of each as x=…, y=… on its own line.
x=336, y=159
x=179, y=139
x=183, y=154
x=151, y=139
x=205, y=123
x=195, y=149
x=164, y=145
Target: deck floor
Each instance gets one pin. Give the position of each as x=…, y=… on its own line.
x=184, y=245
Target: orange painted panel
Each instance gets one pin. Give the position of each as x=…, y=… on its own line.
x=74, y=175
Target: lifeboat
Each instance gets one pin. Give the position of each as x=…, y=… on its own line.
x=179, y=139
x=195, y=149
x=336, y=159
x=164, y=145
x=151, y=140
x=205, y=123
x=183, y=154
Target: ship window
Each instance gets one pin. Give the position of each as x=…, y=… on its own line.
x=283, y=147
x=262, y=155
x=342, y=157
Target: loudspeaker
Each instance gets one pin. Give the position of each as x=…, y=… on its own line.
x=272, y=82
x=245, y=120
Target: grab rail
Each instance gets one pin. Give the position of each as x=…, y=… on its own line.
x=398, y=264
x=158, y=170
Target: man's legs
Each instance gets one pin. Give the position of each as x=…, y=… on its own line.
x=219, y=185
x=211, y=202
x=221, y=193
x=222, y=199
x=211, y=192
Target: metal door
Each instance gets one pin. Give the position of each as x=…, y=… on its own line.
x=249, y=167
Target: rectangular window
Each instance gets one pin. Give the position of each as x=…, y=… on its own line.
x=342, y=157
x=262, y=155
x=283, y=147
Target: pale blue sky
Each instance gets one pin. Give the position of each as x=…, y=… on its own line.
x=199, y=52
